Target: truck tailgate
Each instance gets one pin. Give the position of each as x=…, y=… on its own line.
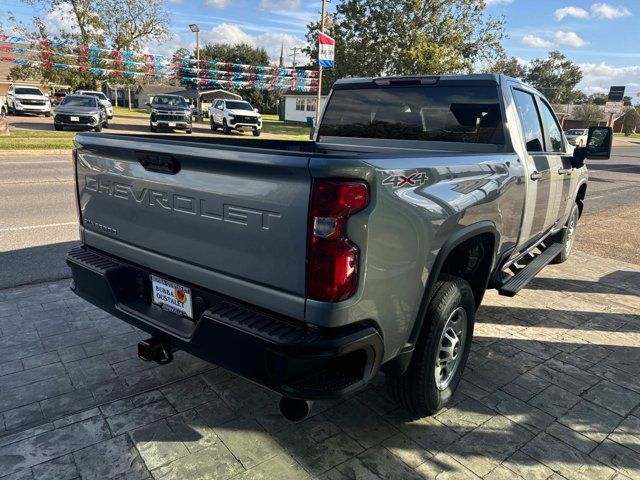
x=238, y=212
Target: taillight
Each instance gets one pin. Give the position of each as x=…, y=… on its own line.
x=332, y=259
x=77, y=192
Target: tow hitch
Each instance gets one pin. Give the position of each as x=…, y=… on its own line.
x=155, y=350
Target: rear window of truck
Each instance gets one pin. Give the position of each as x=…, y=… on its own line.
x=445, y=114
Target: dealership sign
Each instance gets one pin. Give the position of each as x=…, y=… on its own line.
x=326, y=49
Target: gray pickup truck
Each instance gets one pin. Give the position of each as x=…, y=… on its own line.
x=308, y=267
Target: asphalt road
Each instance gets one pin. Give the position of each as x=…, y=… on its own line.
x=38, y=219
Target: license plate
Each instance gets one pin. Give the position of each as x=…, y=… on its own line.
x=171, y=296
x=172, y=124
x=75, y=119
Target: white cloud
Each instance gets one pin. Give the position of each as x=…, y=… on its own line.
x=270, y=41
x=491, y=3
x=604, y=10
x=536, y=42
x=575, y=12
x=215, y=3
x=60, y=20
x=570, y=39
x=280, y=5
x=598, y=77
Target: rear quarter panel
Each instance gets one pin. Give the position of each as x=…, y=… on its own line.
x=405, y=226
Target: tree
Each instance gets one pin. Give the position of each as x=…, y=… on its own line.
x=555, y=77
x=598, y=98
x=114, y=24
x=265, y=101
x=588, y=112
x=508, y=66
x=626, y=101
x=379, y=37
x=631, y=120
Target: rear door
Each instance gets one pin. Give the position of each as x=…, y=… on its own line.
x=560, y=165
x=240, y=213
x=538, y=203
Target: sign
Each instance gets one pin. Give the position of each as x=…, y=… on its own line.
x=326, y=49
x=616, y=94
x=613, y=107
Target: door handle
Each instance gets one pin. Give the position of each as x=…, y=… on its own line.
x=564, y=171
x=535, y=176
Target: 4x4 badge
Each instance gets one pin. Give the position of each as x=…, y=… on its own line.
x=413, y=180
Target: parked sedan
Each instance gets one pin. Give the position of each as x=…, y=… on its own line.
x=577, y=136
x=80, y=111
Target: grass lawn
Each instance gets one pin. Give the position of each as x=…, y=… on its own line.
x=134, y=112
x=634, y=135
x=284, y=131
x=37, y=140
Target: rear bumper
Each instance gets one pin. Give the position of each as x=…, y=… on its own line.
x=284, y=355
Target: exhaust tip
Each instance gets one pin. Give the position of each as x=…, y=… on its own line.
x=295, y=410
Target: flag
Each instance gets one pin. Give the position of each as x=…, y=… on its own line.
x=326, y=47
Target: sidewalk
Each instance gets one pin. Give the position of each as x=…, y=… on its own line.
x=551, y=391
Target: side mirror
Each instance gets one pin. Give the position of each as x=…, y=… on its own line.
x=147, y=104
x=256, y=110
x=599, y=143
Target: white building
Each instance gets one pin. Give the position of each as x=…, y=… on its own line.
x=298, y=107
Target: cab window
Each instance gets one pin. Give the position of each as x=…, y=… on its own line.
x=555, y=134
x=530, y=120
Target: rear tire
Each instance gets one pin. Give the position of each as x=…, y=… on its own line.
x=441, y=352
x=567, y=235
x=213, y=127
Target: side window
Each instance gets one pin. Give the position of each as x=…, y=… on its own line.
x=531, y=126
x=553, y=128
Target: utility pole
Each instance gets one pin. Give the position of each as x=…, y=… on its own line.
x=196, y=29
x=281, y=63
x=324, y=6
x=295, y=51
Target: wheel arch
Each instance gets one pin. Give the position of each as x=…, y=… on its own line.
x=484, y=231
x=580, y=195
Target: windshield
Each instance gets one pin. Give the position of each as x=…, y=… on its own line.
x=170, y=101
x=76, y=101
x=576, y=132
x=27, y=91
x=233, y=105
x=98, y=95
x=443, y=114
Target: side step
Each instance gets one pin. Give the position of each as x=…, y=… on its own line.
x=518, y=281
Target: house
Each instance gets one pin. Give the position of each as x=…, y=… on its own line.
x=568, y=119
x=297, y=108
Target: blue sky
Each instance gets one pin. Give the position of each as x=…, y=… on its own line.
x=603, y=37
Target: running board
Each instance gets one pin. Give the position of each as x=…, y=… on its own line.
x=518, y=281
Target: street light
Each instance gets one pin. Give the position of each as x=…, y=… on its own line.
x=196, y=29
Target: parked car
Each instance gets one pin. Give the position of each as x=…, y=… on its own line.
x=102, y=98
x=84, y=111
x=235, y=115
x=170, y=111
x=57, y=97
x=577, y=136
x=3, y=107
x=309, y=266
x=26, y=99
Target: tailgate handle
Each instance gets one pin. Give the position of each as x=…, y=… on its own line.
x=158, y=162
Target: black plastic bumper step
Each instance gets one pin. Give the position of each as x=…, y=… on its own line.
x=518, y=281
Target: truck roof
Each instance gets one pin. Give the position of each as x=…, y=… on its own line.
x=485, y=79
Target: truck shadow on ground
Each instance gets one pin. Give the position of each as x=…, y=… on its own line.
x=619, y=282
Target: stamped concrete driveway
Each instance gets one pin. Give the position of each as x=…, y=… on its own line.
x=551, y=391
